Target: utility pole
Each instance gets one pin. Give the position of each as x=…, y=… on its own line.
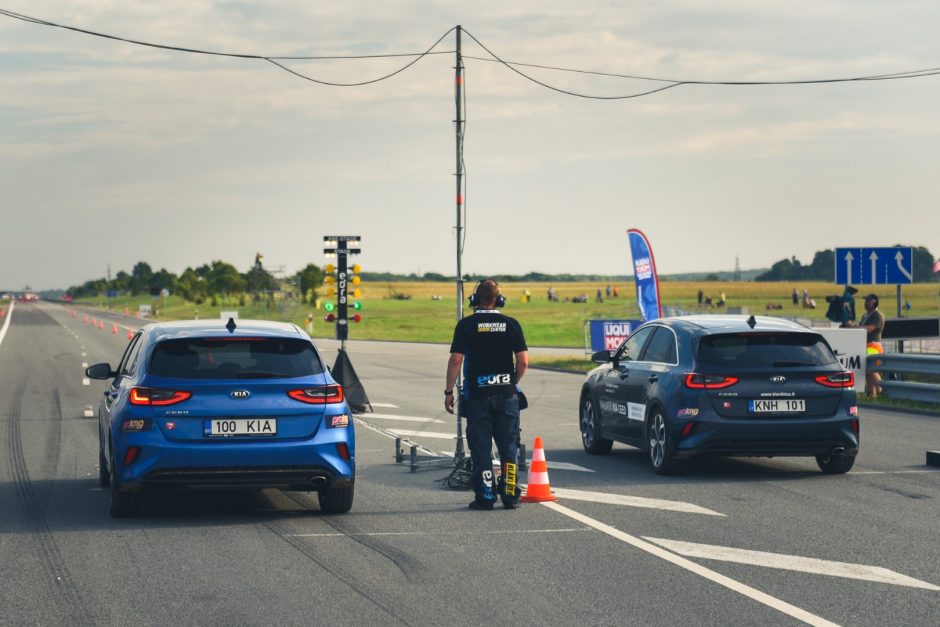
x=459, y=127
x=459, y=454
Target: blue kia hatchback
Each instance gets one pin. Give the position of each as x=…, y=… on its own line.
x=205, y=404
x=722, y=385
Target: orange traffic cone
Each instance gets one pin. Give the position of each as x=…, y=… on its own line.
x=114, y=329
x=538, y=489
x=130, y=334
x=100, y=325
x=94, y=321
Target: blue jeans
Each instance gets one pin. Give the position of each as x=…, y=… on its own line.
x=491, y=418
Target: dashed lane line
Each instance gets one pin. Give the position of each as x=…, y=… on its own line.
x=488, y=532
x=732, y=584
x=792, y=562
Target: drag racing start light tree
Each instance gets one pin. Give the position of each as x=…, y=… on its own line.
x=338, y=279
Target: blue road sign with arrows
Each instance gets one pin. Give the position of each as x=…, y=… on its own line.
x=874, y=266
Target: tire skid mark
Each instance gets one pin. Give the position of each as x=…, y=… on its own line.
x=410, y=567
x=68, y=598
x=339, y=575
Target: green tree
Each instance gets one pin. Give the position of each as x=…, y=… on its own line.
x=308, y=280
x=223, y=277
x=140, y=277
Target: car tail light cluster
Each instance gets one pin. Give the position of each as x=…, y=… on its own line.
x=320, y=395
x=837, y=380
x=697, y=381
x=147, y=396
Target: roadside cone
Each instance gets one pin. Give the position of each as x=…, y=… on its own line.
x=538, y=489
x=130, y=334
x=100, y=325
x=94, y=321
x=114, y=329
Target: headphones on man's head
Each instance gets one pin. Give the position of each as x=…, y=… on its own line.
x=475, y=301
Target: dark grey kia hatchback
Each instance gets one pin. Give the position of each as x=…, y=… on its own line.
x=722, y=385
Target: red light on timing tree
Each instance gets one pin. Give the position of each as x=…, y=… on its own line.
x=357, y=318
x=330, y=317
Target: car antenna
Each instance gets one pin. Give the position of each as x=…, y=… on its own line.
x=230, y=325
x=751, y=322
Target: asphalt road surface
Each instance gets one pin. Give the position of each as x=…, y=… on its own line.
x=731, y=542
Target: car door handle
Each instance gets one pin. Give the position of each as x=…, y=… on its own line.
x=652, y=378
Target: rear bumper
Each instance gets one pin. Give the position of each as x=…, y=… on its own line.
x=796, y=437
x=292, y=465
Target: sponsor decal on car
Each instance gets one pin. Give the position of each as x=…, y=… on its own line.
x=135, y=424
x=636, y=411
x=340, y=420
x=613, y=407
x=726, y=404
x=688, y=412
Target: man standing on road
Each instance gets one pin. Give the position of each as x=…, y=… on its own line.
x=485, y=344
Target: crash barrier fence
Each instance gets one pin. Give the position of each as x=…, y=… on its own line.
x=897, y=370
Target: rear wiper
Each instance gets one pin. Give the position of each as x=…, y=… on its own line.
x=260, y=374
x=789, y=364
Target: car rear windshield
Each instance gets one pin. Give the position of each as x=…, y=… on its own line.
x=234, y=358
x=763, y=350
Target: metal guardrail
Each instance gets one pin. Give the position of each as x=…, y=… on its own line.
x=894, y=366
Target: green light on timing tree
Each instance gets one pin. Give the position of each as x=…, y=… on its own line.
x=329, y=306
x=357, y=305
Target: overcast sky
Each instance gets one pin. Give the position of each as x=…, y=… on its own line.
x=114, y=153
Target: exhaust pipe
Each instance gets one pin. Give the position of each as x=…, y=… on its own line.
x=318, y=481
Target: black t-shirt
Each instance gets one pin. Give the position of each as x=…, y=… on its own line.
x=488, y=340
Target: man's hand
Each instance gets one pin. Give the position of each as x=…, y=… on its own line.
x=449, y=403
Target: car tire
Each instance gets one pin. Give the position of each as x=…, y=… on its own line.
x=123, y=504
x=335, y=500
x=104, y=475
x=835, y=465
x=590, y=425
x=659, y=444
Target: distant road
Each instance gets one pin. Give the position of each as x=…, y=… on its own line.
x=766, y=541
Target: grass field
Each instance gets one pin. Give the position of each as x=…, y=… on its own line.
x=429, y=315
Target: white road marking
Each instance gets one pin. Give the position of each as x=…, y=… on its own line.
x=435, y=533
x=86, y=381
x=423, y=434
x=84, y=354
x=84, y=364
x=633, y=501
x=891, y=472
x=88, y=413
x=384, y=405
x=6, y=322
x=731, y=584
x=402, y=418
x=792, y=562
x=567, y=466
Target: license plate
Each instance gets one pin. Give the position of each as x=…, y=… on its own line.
x=221, y=427
x=777, y=406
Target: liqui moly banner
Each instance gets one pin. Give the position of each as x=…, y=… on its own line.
x=644, y=271
x=608, y=335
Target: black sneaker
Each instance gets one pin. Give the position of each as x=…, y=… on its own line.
x=511, y=504
x=481, y=505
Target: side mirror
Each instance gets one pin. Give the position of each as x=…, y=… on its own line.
x=601, y=357
x=100, y=371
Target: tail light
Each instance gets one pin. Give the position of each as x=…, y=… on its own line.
x=343, y=451
x=687, y=429
x=837, y=380
x=697, y=381
x=131, y=455
x=320, y=395
x=146, y=396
